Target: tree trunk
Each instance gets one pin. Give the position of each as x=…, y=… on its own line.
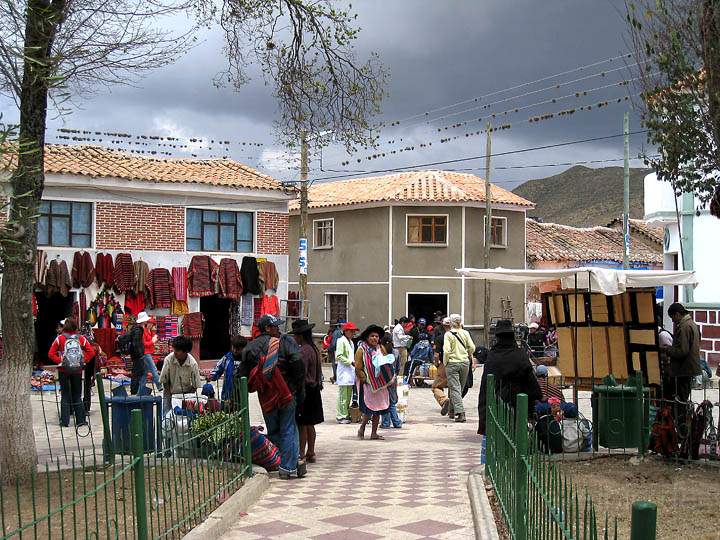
x=18, y=454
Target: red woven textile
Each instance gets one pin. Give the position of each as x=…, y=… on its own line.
x=192, y=325
x=134, y=303
x=83, y=271
x=104, y=270
x=229, y=280
x=160, y=286
x=202, y=276
x=124, y=273
x=180, y=283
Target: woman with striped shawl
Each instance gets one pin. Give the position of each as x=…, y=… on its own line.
x=373, y=376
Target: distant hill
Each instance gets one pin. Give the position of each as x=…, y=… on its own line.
x=584, y=197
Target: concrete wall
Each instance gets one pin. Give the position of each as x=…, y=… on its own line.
x=513, y=256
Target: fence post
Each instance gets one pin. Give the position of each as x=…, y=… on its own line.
x=644, y=521
x=245, y=408
x=521, y=446
x=138, y=452
x=108, y=449
x=490, y=415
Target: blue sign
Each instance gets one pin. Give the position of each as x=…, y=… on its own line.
x=303, y=260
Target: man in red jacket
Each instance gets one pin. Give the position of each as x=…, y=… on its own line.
x=70, y=378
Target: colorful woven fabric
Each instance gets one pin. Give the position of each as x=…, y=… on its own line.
x=160, y=287
x=167, y=327
x=141, y=272
x=202, y=276
x=104, y=270
x=192, y=325
x=247, y=310
x=270, y=305
x=134, y=303
x=179, y=307
x=180, y=283
x=229, y=282
x=124, y=273
x=83, y=271
x=268, y=275
x=41, y=267
x=264, y=453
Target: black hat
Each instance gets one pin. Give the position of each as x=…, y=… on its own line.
x=677, y=307
x=301, y=326
x=379, y=330
x=504, y=326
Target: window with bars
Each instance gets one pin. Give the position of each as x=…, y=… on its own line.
x=430, y=230
x=65, y=224
x=219, y=230
x=324, y=233
x=336, y=307
x=498, y=232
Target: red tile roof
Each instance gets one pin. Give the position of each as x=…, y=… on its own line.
x=652, y=232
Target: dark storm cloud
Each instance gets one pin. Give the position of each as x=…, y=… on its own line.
x=438, y=53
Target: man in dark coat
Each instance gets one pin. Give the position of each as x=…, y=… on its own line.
x=513, y=372
x=684, y=353
x=282, y=429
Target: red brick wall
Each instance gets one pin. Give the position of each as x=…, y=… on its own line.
x=709, y=322
x=137, y=226
x=272, y=233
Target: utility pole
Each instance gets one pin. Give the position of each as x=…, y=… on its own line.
x=303, y=239
x=488, y=233
x=626, y=194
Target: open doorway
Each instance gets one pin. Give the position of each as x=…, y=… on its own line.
x=425, y=304
x=51, y=310
x=215, y=341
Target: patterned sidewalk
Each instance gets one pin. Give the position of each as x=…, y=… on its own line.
x=410, y=486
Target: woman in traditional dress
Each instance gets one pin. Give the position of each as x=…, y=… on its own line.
x=310, y=413
x=373, y=375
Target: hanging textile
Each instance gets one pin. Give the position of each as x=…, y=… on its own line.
x=104, y=270
x=134, y=303
x=250, y=275
x=82, y=304
x=293, y=305
x=180, y=283
x=105, y=338
x=230, y=284
x=160, y=287
x=246, y=317
x=57, y=278
x=34, y=305
x=41, y=268
x=124, y=273
x=235, y=319
x=167, y=327
x=270, y=305
x=141, y=272
x=202, y=276
x=83, y=271
x=192, y=325
x=179, y=307
x=269, y=275
x=104, y=310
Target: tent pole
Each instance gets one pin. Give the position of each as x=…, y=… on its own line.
x=575, y=345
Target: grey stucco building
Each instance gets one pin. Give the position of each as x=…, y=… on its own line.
x=382, y=247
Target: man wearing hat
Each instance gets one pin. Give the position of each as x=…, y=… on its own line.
x=282, y=429
x=513, y=372
x=334, y=336
x=684, y=353
x=344, y=356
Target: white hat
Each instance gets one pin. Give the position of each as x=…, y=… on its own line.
x=62, y=323
x=455, y=320
x=534, y=325
x=142, y=317
x=446, y=321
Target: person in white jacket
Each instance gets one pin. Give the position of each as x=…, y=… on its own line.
x=401, y=342
x=344, y=356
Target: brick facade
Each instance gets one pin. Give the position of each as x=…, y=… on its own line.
x=138, y=226
x=272, y=233
x=709, y=322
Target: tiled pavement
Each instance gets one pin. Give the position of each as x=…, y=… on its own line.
x=410, y=486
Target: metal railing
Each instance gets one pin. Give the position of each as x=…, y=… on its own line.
x=136, y=492
x=536, y=498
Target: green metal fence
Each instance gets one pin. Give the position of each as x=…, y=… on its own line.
x=135, y=495
x=536, y=499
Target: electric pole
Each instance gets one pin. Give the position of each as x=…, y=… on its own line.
x=626, y=194
x=303, y=239
x=488, y=233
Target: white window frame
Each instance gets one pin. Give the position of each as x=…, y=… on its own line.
x=504, y=245
x=316, y=222
x=428, y=244
x=326, y=305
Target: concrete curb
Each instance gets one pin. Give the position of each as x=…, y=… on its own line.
x=483, y=517
x=228, y=513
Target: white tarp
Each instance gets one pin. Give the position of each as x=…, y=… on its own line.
x=605, y=280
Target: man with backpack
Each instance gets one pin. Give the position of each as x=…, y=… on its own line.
x=275, y=370
x=71, y=351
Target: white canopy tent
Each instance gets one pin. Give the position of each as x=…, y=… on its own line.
x=604, y=280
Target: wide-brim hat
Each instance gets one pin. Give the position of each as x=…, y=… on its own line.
x=300, y=326
x=504, y=326
x=379, y=330
x=142, y=318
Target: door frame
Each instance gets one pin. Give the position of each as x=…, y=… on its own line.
x=444, y=293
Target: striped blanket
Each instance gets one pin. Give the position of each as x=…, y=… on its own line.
x=384, y=375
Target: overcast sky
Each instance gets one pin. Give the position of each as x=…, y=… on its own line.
x=438, y=52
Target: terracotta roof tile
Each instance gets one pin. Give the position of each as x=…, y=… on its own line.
x=553, y=242
x=416, y=186
x=653, y=232
x=100, y=162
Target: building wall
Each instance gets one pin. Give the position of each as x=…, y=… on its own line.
x=513, y=256
x=137, y=226
x=709, y=322
x=272, y=233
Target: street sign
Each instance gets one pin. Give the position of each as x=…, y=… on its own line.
x=303, y=260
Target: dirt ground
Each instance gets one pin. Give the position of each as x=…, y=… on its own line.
x=687, y=496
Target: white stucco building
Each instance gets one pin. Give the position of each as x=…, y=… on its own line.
x=692, y=240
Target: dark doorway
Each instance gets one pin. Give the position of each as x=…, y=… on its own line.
x=424, y=305
x=50, y=312
x=215, y=341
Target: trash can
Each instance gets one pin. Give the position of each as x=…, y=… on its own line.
x=619, y=420
x=120, y=407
